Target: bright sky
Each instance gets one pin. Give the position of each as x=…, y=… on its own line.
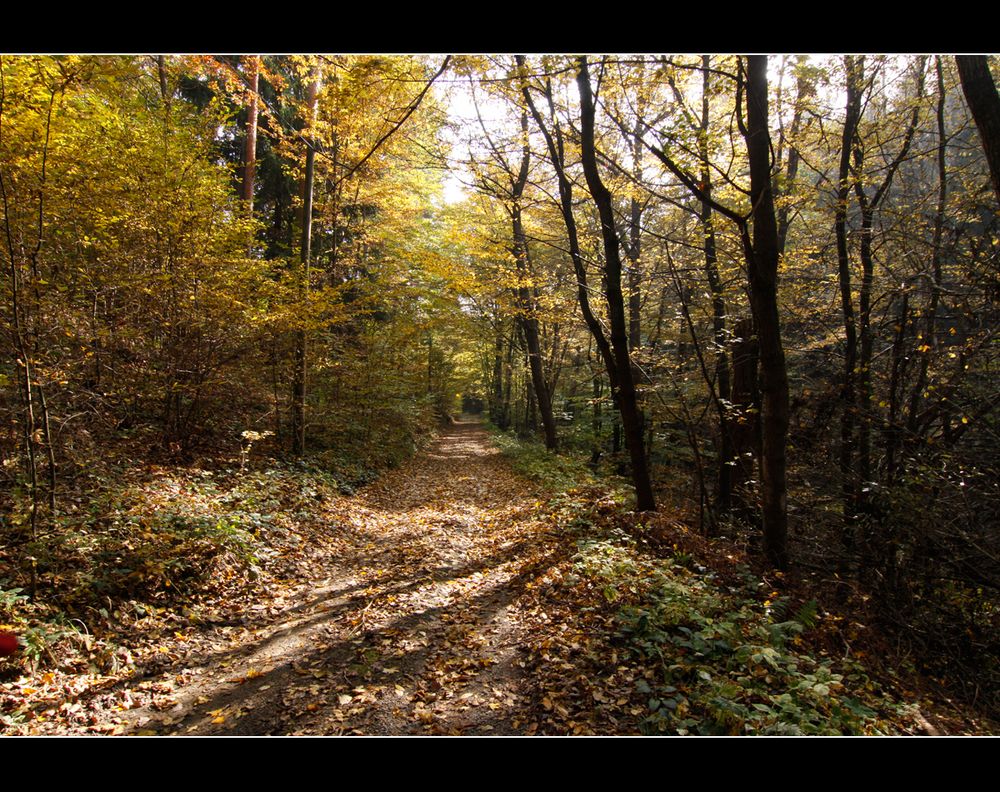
x=465, y=130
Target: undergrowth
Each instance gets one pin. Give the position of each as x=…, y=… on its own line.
x=557, y=472
x=153, y=541
x=707, y=655
x=717, y=660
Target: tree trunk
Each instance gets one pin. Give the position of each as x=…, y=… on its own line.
x=508, y=374
x=161, y=71
x=627, y=398
x=299, y=374
x=848, y=392
x=744, y=425
x=874, y=551
x=596, y=420
x=984, y=102
x=496, y=392
x=250, y=152
x=804, y=89
x=763, y=279
x=928, y=333
x=634, y=249
x=724, y=485
x=528, y=317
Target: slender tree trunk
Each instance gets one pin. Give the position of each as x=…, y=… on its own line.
x=496, y=400
x=24, y=258
x=804, y=89
x=866, y=351
x=984, y=102
x=723, y=388
x=927, y=335
x=848, y=392
x=530, y=409
x=627, y=397
x=508, y=376
x=745, y=424
x=875, y=552
x=597, y=419
x=528, y=317
x=898, y=371
x=250, y=152
x=634, y=249
x=554, y=142
x=299, y=374
x=869, y=209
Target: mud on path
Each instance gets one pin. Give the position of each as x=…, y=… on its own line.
x=414, y=628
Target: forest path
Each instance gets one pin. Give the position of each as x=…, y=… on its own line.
x=414, y=629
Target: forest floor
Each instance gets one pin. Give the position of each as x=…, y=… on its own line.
x=413, y=627
x=455, y=597
x=409, y=617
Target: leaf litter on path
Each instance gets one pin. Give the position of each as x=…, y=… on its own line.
x=414, y=625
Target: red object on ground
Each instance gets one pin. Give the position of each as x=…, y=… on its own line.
x=8, y=644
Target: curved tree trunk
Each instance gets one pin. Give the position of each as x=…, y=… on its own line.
x=984, y=102
x=628, y=404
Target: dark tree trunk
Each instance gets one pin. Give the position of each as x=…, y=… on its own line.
x=635, y=247
x=894, y=433
x=723, y=389
x=496, y=400
x=632, y=422
x=508, y=375
x=596, y=420
x=744, y=425
x=984, y=102
x=848, y=392
x=875, y=551
x=763, y=278
x=929, y=331
x=804, y=89
x=616, y=353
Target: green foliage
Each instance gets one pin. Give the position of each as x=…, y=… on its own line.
x=556, y=472
x=41, y=639
x=717, y=662
x=11, y=601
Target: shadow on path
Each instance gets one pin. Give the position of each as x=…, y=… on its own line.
x=416, y=629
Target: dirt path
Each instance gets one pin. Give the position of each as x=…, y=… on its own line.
x=415, y=629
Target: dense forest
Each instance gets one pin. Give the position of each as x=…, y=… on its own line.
x=731, y=321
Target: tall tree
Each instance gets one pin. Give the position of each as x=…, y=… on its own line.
x=628, y=402
x=758, y=232
x=762, y=260
x=850, y=488
x=527, y=318
x=305, y=248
